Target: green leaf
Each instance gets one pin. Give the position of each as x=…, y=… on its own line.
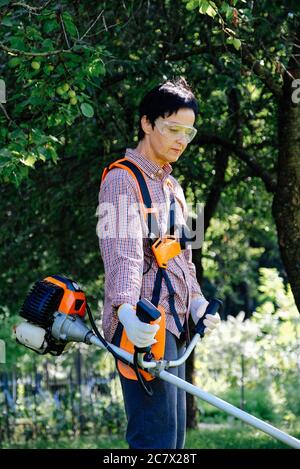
x=18, y=135
x=47, y=45
x=96, y=68
x=208, y=8
x=211, y=11
x=70, y=26
x=5, y=158
x=191, y=5
x=33, y=33
x=237, y=43
x=29, y=160
x=225, y=8
x=87, y=110
x=50, y=25
x=7, y=22
x=14, y=62
x=203, y=6
x=17, y=43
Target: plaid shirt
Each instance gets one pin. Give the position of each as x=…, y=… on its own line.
x=130, y=266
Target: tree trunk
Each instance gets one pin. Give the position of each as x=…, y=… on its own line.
x=217, y=186
x=286, y=204
x=210, y=207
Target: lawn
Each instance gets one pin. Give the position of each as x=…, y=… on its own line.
x=218, y=437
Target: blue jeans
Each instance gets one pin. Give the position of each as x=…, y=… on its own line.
x=158, y=421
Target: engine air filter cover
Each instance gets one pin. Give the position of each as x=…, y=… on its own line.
x=41, y=303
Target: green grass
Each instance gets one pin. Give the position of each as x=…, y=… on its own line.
x=84, y=442
x=234, y=437
x=231, y=438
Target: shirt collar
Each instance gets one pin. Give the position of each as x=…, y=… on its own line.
x=153, y=170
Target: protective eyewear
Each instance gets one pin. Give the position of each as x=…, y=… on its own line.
x=174, y=130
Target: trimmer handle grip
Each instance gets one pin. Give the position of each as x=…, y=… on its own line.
x=146, y=312
x=212, y=308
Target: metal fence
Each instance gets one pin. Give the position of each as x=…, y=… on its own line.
x=43, y=403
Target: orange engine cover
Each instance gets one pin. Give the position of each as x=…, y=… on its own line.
x=73, y=300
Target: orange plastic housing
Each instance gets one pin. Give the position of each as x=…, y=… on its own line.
x=72, y=302
x=165, y=249
x=157, y=349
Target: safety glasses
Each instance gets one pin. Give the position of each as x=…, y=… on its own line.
x=174, y=130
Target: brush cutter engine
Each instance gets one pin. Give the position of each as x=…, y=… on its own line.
x=54, y=310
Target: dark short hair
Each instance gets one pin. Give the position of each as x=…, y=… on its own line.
x=166, y=99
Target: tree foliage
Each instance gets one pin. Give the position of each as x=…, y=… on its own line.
x=74, y=74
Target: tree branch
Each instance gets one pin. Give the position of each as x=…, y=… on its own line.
x=266, y=77
x=12, y=51
x=221, y=164
x=92, y=25
x=29, y=7
x=250, y=160
x=246, y=57
x=62, y=25
x=5, y=113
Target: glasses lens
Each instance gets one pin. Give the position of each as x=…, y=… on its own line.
x=176, y=131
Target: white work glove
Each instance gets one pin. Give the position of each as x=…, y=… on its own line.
x=139, y=333
x=198, y=308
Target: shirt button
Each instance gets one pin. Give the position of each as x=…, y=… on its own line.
x=152, y=176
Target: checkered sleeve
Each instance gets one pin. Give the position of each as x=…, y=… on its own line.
x=120, y=238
